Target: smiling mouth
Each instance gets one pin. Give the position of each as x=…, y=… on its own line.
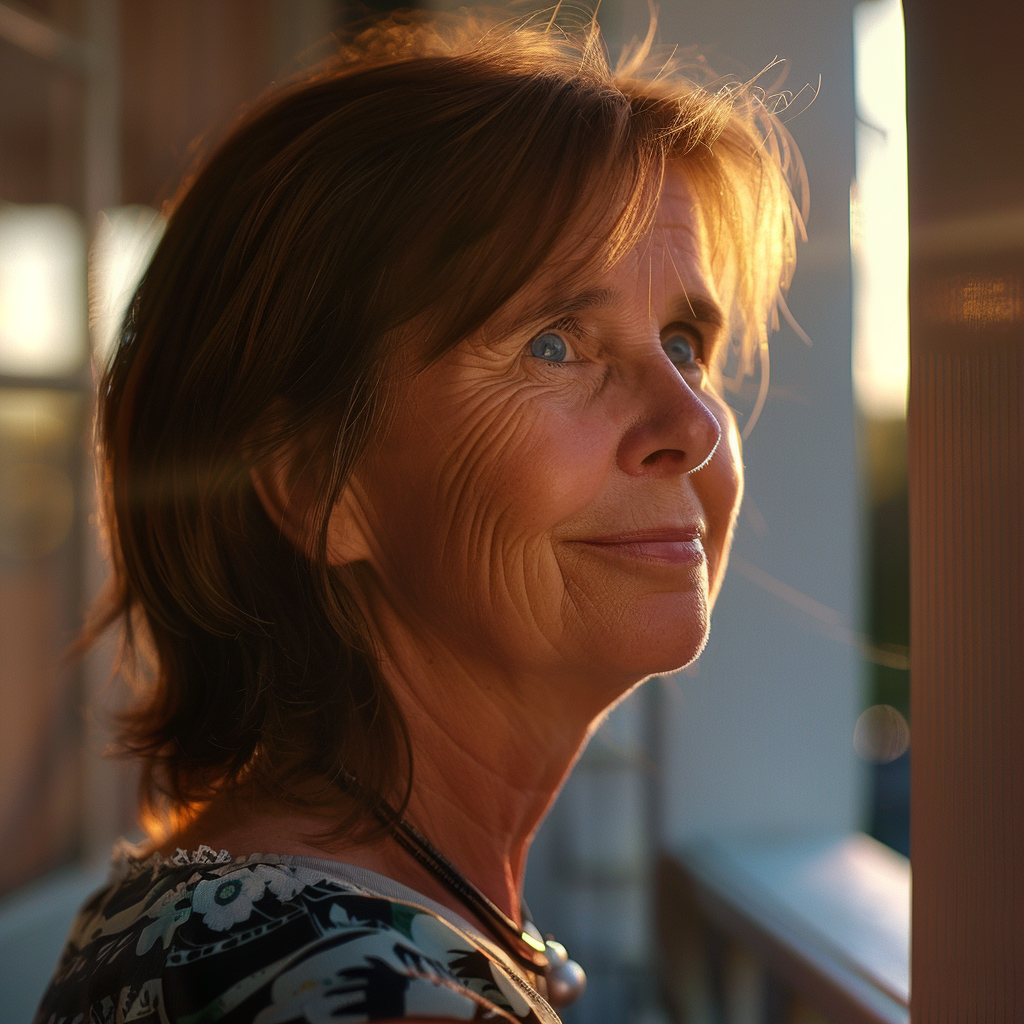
x=674, y=546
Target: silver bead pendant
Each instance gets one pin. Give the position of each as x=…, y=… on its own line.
x=566, y=979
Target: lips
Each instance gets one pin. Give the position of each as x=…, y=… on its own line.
x=673, y=545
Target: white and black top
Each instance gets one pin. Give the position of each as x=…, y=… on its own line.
x=200, y=938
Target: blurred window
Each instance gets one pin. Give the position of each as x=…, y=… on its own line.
x=43, y=404
x=879, y=239
x=879, y=222
x=45, y=499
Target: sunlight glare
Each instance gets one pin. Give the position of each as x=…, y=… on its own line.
x=42, y=291
x=879, y=222
x=124, y=244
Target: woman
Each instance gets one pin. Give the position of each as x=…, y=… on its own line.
x=416, y=461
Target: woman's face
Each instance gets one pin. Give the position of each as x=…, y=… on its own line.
x=560, y=500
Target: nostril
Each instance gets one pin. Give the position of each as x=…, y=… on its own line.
x=664, y=455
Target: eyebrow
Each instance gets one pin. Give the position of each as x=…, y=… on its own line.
x=592, y=298
x=699, y=308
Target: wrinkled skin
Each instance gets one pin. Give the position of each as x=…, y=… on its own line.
x=499, y=463
x=492, y=537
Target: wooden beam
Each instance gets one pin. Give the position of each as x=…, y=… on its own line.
x=966, y=465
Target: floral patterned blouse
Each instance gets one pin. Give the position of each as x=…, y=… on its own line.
x=201, y=938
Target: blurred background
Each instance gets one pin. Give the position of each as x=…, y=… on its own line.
x=790, y=733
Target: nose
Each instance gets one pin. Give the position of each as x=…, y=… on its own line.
x=673, y=432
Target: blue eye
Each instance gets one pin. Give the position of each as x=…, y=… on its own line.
x=678, y=348
x=549, y=346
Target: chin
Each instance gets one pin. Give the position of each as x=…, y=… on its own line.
x=654, y=640
x=674, y=660
x=684, y=659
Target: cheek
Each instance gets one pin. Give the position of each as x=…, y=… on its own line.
x=558, y=468
x=470, y=493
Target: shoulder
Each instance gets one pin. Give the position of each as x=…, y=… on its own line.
x=268, y=942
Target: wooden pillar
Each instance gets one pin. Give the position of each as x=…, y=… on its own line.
x=966, y=433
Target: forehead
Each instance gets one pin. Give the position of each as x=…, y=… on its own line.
x=674, y=256
x=671, y=261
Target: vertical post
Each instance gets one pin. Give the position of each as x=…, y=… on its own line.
x=966, y=435
x=102, y=129
x=106, y=797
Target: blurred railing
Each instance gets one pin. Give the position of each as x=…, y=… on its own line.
x=34, y=923
x=809, y=931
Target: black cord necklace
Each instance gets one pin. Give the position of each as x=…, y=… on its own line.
x=565, y=978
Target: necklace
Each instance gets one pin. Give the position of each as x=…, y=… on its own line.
x=565, y=978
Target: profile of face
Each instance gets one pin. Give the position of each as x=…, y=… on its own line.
x=557, y=502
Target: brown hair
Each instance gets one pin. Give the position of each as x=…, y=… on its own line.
x=412, y=185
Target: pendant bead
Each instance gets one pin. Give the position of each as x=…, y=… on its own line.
x=556, y=952
x=566, y=979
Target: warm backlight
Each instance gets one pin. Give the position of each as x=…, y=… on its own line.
x=879, y=227
x=121, y=250
x=42, y=291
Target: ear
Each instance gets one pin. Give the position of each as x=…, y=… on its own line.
x=286, y=489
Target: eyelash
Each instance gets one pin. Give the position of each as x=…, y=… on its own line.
x=691, y=334
x=569, y=325
x=573, y=329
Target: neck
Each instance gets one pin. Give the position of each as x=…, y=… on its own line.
x=485, y=772
x=492, y=747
